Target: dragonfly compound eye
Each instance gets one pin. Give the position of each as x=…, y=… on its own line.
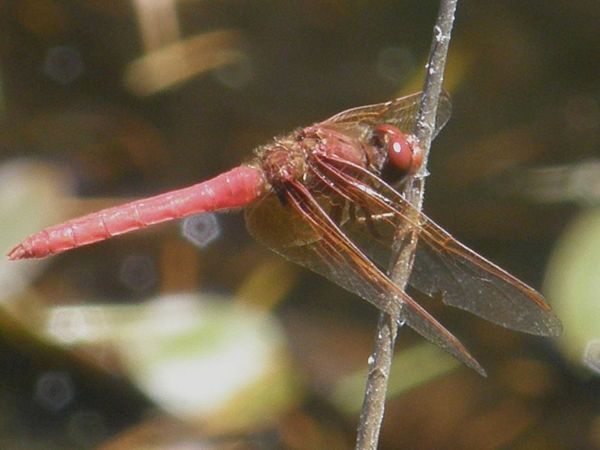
x=402, y=153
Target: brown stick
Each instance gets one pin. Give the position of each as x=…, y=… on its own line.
x=371, y=416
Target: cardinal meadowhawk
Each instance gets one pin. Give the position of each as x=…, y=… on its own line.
x=318, y=197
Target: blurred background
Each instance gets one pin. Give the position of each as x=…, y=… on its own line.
x=192, y=335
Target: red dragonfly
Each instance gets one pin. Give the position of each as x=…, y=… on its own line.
x=317, y=197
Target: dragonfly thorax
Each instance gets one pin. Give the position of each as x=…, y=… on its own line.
x=283, y=162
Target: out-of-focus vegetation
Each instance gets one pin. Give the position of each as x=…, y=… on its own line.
x=126, y=344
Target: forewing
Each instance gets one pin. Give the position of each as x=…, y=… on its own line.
x=322, y=247
x=401, y=112
x=442, y=265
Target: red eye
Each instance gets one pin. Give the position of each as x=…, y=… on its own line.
x=402, y=154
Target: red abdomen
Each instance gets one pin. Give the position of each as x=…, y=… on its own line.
x=232, y=189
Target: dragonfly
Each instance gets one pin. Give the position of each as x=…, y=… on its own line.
x=318, y=197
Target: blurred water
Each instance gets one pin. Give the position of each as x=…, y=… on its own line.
x=54, y=390
x=201, y=229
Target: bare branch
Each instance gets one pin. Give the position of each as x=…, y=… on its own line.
x=371, y=416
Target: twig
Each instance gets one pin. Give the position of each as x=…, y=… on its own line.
x=380, y=361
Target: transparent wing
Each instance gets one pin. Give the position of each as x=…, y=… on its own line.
x=442, y=265
x=401, y=112
x=302, y=230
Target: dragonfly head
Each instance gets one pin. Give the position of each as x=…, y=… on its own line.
x=403, y=154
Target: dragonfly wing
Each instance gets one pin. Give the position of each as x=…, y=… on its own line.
x=468, y=281
x=301, y=230
x=401, y=112
x=293, y=233
x=442, y=265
